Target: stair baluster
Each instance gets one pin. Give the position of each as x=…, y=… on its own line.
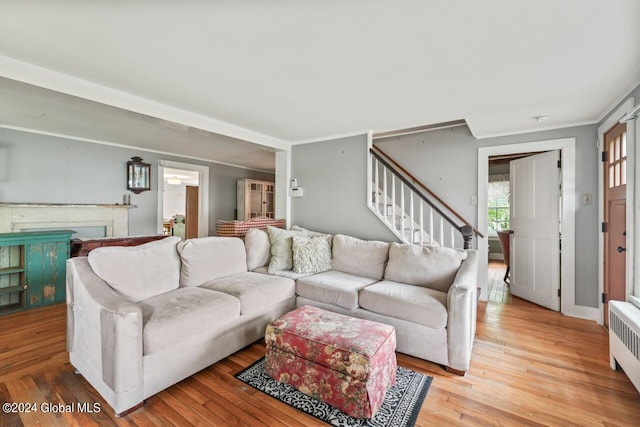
x=400, y=215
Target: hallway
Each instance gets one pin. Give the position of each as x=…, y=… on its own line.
x=497, y=288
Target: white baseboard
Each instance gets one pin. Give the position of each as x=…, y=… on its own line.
x=582, y=312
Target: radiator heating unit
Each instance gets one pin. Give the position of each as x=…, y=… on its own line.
x=624, y=339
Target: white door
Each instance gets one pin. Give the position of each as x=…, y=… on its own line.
x=534, y=221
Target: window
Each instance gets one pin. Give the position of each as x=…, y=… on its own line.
x=617, y=161
x=498, y=203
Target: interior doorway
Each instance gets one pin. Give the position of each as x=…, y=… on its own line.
x=498, y=227
x=535, y=228
x=568, y=210
x=180, y=202
x=183, y=199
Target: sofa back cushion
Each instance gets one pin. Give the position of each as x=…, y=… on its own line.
x=258, y=248
x=139, y=272
x=366, y=258
x=208, y=258
x=431, y=266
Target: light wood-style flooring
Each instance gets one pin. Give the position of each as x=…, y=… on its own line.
x=530, y=366
x=497, y=288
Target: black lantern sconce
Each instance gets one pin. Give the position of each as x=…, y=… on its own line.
x=138, y=175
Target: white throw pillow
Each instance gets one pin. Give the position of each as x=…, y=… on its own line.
x=281, y=253
x=258, y=247
x=311, y=233
x=311, y=254
x=433, y=267
x=139, y=272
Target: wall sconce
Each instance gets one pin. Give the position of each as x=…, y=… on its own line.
x=138, y=175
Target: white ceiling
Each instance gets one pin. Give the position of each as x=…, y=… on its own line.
x=279, y=72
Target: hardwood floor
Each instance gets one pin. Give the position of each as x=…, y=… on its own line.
x=530, y=366
x=497, y=288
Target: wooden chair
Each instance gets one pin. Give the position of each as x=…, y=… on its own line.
x=505, y=244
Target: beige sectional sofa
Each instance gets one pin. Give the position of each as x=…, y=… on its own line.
x=143, y=318
x=429, y=294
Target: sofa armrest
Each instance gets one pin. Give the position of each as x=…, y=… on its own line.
x=79, y=272
x=461, y=320
x=95, y=308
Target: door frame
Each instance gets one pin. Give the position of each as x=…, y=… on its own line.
x=203, y=192
x=631, y=265
x=567, y=147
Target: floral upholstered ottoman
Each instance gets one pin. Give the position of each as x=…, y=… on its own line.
x=346, y=362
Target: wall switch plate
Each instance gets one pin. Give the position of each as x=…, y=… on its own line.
x=473, y=200
x=587, y=199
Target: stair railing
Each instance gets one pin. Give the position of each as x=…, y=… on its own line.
x=393, y=185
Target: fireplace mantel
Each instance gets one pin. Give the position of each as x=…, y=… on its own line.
x=25, y=216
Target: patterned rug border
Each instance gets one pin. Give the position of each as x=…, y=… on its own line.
x=416, y=381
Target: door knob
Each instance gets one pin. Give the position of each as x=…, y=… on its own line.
x=621, y=249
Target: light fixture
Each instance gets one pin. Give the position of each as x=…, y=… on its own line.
x=138, y=175
x=174, y=181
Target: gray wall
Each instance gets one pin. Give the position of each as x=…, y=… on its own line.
x=447, y=161
x=44, y=169
x=333, y=175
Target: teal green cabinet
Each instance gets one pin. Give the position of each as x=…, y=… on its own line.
x=33, y=268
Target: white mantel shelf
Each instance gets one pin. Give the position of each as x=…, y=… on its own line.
x=71, y=205
x=24, y=216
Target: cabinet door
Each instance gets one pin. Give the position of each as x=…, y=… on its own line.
x=256, y=199
x=269, y=200
x=46, y=268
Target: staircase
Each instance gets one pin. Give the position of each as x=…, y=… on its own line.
x=412, y=211
x=404, y=226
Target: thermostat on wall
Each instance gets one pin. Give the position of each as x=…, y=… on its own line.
x=296, y=192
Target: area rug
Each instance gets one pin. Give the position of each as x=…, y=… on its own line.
x=401, y=405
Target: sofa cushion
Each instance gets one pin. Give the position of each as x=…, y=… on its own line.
x=415, y=304
x=258, y=247
x=360, y=257
x=333, y=287
x=281, y=253
x=311, y=254
x=431, y=266
x=209, y=258
x=175, y=316
x=254, y=290
x=139, y=272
